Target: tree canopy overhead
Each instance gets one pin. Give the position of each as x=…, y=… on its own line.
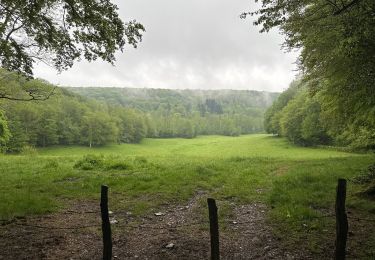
x=337, y=43
x=59, y=32
x=337, y=38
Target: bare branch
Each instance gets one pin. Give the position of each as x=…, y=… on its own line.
x=33, y=96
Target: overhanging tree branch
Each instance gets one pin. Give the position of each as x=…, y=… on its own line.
x=33, y=96
x=67, y=30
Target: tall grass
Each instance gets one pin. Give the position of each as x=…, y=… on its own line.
x=296, y=183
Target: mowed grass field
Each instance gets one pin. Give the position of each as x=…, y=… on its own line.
x=297, y=184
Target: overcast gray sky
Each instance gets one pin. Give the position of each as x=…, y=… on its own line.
x=189, y=44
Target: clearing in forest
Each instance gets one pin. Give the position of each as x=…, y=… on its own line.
x=272, y=199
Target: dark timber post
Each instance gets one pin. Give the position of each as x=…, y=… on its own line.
x=341, y=221
x=106, y=226
x=214, y=229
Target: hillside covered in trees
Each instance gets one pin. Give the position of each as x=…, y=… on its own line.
x=119, y=115
x=187, y=113
x=334, y=100
x=307, y=119
x=64, y=118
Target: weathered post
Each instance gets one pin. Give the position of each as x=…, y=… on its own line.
x=106, y=225
x=341, y=221
x=214, y=229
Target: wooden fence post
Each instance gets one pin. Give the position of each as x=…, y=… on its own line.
x=214, y=229
x=106, y=225
x=341, y=221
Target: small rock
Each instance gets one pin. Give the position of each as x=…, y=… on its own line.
x=169, y=246
x=159, y=214
x=289, y=257
x=113, y=221
x=266, y=248
x=235, y=222
x=110, y=212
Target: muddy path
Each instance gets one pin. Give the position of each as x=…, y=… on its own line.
x=171, y=232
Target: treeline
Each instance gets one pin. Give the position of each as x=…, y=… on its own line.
x=64, y=118
x=67, y=118
x=187, y=113
x=336, y=43
x=308, y=119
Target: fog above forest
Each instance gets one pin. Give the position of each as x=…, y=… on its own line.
x=189, y=44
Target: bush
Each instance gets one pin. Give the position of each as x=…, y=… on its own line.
x=99, y=162
x=90, y=162
x=29, y=150
x=367, y=176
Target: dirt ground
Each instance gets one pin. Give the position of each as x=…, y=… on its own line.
x=176, y=233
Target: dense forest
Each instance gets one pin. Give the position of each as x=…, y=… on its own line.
x=65, y=118
x=121, y=115
x=187, y=113
x=308, y=119
x=334, y=100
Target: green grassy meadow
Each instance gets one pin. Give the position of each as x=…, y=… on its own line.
x=298, y=184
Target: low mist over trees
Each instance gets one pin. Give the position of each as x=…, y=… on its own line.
x=121, y=115
x=188, y=113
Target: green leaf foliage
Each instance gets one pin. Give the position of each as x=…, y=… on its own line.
x=337, y=44
x=59, y=32
x=4, y=132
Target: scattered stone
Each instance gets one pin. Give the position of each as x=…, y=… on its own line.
x=235, y=222
x=110, y=212
x=169, y=246
x=159, y=214
x=113, y=221
x=266, y=248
